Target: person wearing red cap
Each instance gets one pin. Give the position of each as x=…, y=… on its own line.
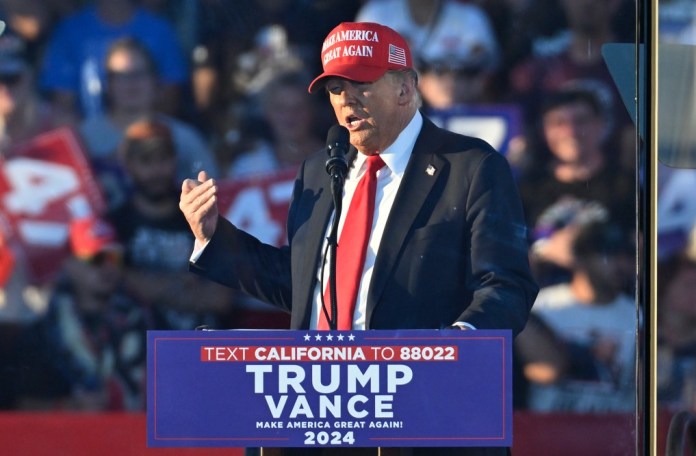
x=87, y=352
x=447, y=247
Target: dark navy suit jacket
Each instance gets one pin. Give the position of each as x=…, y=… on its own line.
x=454, y=247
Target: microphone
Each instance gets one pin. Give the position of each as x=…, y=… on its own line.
x=337, y=146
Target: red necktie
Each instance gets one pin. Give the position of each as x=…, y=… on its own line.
x=352, y=247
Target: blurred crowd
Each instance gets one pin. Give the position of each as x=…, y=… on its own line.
x=155, y=91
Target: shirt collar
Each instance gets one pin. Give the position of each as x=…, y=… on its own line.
x=397, y=154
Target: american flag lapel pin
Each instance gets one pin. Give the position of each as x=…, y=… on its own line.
x=430, y=170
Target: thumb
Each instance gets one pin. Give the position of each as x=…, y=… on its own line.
x=202, y=176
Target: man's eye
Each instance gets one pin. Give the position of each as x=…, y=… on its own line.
x=333, y=89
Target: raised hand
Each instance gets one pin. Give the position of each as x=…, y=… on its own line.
x=198, y=202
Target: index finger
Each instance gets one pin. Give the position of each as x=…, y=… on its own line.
x=189, y=184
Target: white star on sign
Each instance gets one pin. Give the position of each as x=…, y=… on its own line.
x=329, y=337
x=351, y=337
x=307, y=337
x=318, y=337
x=339, y=337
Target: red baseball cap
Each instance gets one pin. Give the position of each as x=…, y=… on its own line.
x=363, y=52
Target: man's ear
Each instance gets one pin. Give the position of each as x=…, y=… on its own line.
x=405, y=91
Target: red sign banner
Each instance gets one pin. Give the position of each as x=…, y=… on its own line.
x=44, y=184
x=259, y=205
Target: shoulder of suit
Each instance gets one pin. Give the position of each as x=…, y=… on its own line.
x=456, y=142
x=450, y=141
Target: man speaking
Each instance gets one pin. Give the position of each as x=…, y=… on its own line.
x=431, y=233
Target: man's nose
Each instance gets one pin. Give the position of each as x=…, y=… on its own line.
x=348, y=95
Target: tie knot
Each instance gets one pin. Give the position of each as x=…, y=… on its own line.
x=374, y=163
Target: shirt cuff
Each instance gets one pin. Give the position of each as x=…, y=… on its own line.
x=463, y=325
x=198, y=249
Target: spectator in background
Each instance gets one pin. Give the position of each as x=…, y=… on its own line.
x=456, y=52
x=23, y=114
x=73, y=72
x=88, y=352
x=676, y=334
x=596, y=322
x=242, y=45
x=573, y=159
x=523, y=28
x=676, y=208
x=457, y=55
x=182, y=14
x=457, y=69
x=541, y=357
x=427, y=26
x=33, y=20
x=236, y=25
x=553, y=234
x=30, y=20
x=272, y=54
x=156, y=236
x=130, y=95
x=578, y=62
x=229, y=30
x=289, y=117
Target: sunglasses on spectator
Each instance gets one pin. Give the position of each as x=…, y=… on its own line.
x=10, y=79
x=128, y=75
x=112, y=257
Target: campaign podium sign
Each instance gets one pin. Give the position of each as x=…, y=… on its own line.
x=283, y=388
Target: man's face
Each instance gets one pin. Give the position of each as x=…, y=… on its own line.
x=372, y=112
x=153, y=172
x=444, y=88
x=97, y=276
x=573, y=132
x=131, y=82
x=290, y=113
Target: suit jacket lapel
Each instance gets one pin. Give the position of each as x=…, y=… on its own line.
x=423, y=170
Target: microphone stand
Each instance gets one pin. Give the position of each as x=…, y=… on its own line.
x=337, y=143
x=337, y=181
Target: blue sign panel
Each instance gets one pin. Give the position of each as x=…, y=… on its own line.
x=500, y=125
x=329, y=388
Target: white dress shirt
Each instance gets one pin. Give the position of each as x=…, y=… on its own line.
x=389, y=178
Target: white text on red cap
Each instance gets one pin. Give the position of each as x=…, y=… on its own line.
x=350, y=35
